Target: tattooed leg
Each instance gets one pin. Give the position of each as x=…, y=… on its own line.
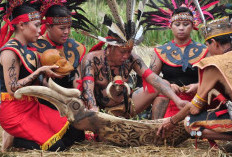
x=159, y=107
x=142, y=99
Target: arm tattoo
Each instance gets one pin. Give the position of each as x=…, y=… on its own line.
x=153, y=65
x=87, y=68
x=159, y=84
x=14, y=84
x=12, y=75
x=125, y=69
x=137, y=62
x=88, y=94
x=77, y=72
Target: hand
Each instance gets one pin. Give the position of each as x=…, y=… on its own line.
x=194, y=110
x=175, y=88
x=94, y=108
x=47, y=70
x=191, y=89
x=166, y=127
x=181, y=104
x=45, y=81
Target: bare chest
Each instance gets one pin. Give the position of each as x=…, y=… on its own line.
x=103, y=76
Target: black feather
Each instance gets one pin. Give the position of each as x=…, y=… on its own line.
x=107, y=20
x=130, y=29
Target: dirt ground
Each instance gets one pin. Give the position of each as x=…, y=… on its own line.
x=93, y=149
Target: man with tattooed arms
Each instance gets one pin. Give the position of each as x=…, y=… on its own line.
x=105, y=72
x=100, y=67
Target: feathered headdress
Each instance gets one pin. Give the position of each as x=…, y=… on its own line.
x=6, y=9
x=161, y=17
x=123, y=34
x=78, y=20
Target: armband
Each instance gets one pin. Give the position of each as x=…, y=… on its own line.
x=150, y=88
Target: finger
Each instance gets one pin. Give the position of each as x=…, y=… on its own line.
x=159, y=131
x=54, y=75
x=178, y=90
x=175, y=90
x=163, y=132
x=54, y=66
x=189, y=90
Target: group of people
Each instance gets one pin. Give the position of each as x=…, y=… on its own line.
x=33, y=124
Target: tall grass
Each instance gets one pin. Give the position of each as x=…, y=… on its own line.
x=95, y=10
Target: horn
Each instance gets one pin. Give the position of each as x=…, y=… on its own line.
x=44, y=93
x=211, y=93
x=128, y=88
x=64, y=91
x=108, y=90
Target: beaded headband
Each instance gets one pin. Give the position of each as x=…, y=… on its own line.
x=182, y=17
x=77, y=19
x=58, y=20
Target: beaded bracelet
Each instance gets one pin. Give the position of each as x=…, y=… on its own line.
x=201, y=98
x=198, y=101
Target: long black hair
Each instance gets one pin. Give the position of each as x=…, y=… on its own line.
x=58, y=11
x=20, y=10
x=182, y=10
x=222, y=40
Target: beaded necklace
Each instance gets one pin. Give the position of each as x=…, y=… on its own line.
x=108, y=70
